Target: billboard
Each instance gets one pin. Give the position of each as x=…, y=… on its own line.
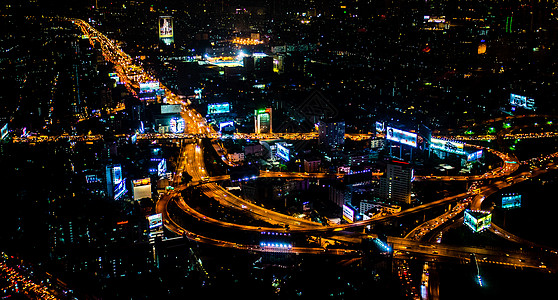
x=380, y=127
x=262, y=120
x=474, y=155
x=171, y=109
x=218, y=108
x=165, y=27
x=4, y=131
x=522, y=101
x=120, y=190
x=158, y=166
x=447, y=146
x=141, y=188
x=92, y=179
x=177, y=125
x=116, y=174
x=477, y=220
x=116, y=187
x=283, y=152
x=114, y=76
x=511, y=201
x=149, y=86
x=348, y=213
x=155, y=221
x=400, y=136
x=155, y=226
x=227, y=125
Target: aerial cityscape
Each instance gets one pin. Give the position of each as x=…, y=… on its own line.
x=278, y=149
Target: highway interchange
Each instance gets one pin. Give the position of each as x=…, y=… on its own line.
x=192, y=162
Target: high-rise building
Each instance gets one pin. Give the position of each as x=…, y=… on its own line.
x=331, y=134
x=116, y=185
x=262, y=120
x=166, y=30
x=396, y=184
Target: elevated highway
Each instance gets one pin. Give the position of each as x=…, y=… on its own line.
x=192, y=162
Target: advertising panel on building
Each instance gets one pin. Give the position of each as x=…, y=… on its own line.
x=229, y=125
x=114, y=77
x=348, y=214
x=92, y=179
x=149, y=86
x=400, y=136
x=171, y=109
x=380, y=127
x=447, y=146
x=283, y=153
x=116, y=187
x=155, y=221
x=4, y=131
x=262, y=120
x=477, y=220
x=511, y=201
x=522, y=101
x=474, y=155
x=166, y=27
x=116, y=174
x=177, y=125
x=155, y=226
x=141, y=188
x=218, y=108
x=120, y=190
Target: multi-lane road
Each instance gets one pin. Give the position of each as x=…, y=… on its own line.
x=192, y=163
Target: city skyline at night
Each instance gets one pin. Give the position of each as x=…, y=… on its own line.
x=278, y=148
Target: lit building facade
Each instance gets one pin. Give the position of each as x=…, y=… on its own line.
x=477, y=220
x=396, y=185
x=262, y=120
x=331, y=134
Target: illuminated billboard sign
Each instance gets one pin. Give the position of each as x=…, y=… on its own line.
x=155, y=226
x=511, y=201
x=380, y=127
x=117, y=174
x=177, y=125
x=171, y=109
x=155, y=221
x=165, y=27
x=218, y=108
x=116, y=187
x=474, y=155
x=149, y=86
x=141, y=188
x=522, y=101
x=114, y=76
x=4, y=131
x=400, y=136
x=447, y=146
x=92, y=179
x=348, y=214
x=262, y=120
x=477, y=220
x=225, y=125
x=120, y=190
x=283, y=152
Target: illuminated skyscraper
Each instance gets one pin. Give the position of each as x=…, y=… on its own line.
x=262, y=120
